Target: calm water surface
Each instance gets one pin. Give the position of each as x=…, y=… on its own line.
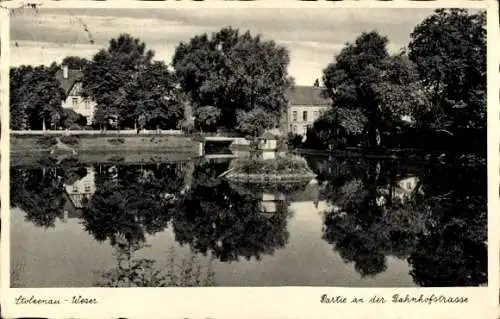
x=359, y=223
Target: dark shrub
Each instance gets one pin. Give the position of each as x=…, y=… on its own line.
x=71, y=140
x=116, y=141
x=73, y=120
x=295, y=140
x=46, y=141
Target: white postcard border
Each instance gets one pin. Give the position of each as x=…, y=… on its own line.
x=289, y=302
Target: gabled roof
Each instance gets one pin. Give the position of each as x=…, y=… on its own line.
x=74, y=76
x=71, y=208
x=306, y=95
x=268, y=136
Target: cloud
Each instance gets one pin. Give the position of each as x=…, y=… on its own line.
x=22, y=52
x=313, y=36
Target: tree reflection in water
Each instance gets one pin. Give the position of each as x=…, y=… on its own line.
x=130, y=202
x=434, y=216
x=453, y=251
x=226, y=222
x=39, y=192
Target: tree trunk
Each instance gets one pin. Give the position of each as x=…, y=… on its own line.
x=378, y=138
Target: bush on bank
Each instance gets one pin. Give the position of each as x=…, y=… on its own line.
x=46, y=141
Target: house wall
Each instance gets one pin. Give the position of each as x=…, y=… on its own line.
x=81, y=189
x=79, y=104
x=408, y=184
x=85, y=185
x=297, y=124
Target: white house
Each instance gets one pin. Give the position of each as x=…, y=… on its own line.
x=82, y=189
x=305, y=105
x=71, y=83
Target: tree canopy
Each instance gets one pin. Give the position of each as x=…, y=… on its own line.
x=75, y=62
x=449, y=50
x=369, y=88
x=125, y=82
x=254, y=122
x=35, y=98
x=207, y=117
x=233, y=71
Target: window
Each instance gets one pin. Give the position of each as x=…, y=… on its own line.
x=294, y=130
x=75, y=102
x=304, y=116
x=87, y=103
x=87, y=188
x=294, y=116
x=291, y=128
x=316, y=113
x=305, y=128
x=75, y=189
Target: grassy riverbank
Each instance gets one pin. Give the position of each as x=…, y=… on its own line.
x=26, y=144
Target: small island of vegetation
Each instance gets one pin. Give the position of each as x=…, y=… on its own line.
x=282, y=169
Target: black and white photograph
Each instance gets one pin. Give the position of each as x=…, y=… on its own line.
x=248, y=147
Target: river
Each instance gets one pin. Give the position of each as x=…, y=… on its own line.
x=360, y=223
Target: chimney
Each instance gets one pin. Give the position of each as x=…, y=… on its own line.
x=65, y=71
x=65, y=216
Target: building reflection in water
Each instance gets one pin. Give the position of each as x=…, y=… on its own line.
x=78, y=194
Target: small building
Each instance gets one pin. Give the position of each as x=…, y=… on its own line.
x=271, y=203
x=268, y=145
x=80, y=191
x=402, y=190
x=78, y=194
x=407, y=185
x=305, y=105
x=71, y=82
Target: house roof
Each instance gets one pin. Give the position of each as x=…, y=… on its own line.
x=268, y=136
x=306, y=95
x=74, y=76
x=71, y=208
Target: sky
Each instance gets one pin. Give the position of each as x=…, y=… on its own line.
x=313, y=36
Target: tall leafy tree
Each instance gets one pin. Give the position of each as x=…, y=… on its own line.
x=449, y=50
x=232, y=71
x=151, y=100
x=369, y=88
x=35, y=97
x=253, y=123
x=126, y=82
x=75, y=62
x=207, y=117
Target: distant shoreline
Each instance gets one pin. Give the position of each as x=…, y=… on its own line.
x=91, y=143
x=83, y=143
